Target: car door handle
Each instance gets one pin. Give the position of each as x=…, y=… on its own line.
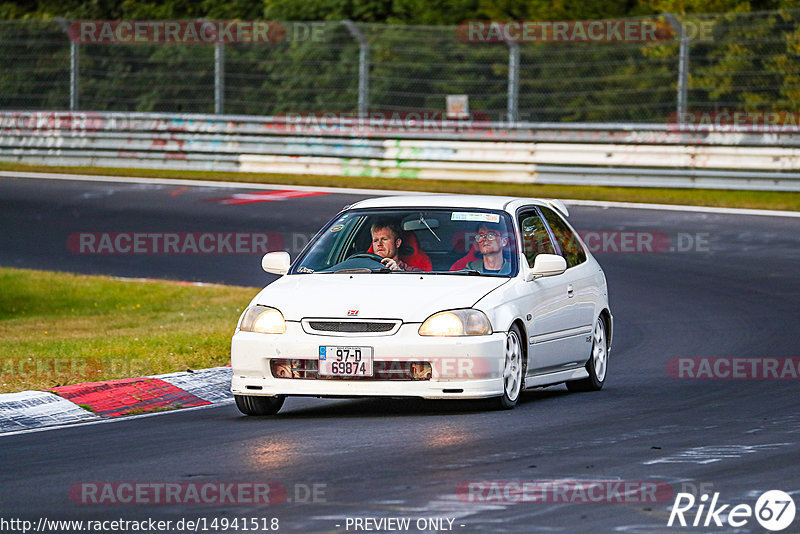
x=570, y=291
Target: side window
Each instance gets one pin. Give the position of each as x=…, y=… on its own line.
x=535, y=239
x=570, y=246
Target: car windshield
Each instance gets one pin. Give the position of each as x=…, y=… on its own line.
x=439, y=241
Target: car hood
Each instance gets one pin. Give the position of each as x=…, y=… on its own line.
x=410, y=297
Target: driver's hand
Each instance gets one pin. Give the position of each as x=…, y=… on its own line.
x=391, y=264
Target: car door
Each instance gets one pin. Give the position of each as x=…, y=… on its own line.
x=556, y=333
x=581, y=280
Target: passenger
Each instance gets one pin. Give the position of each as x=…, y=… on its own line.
x=386, y=243
x=491, y=241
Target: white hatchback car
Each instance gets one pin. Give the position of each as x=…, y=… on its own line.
x=431, y=296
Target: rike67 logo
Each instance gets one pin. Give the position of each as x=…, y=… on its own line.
x=774, y=511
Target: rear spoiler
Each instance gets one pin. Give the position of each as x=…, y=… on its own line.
x=558, y=206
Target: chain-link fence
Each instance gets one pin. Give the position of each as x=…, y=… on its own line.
x=748, y=62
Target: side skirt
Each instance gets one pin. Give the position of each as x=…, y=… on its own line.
x=555, y=378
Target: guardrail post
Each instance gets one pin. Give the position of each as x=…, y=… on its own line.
x=219, y=78
x=74, y=66
x=363, y=66
x=74, y=75
x=513, y=81
x=683, y=62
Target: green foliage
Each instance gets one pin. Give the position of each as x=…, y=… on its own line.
x=96, y=327
x=445, y=12
x=744, y=60
x=34, y=66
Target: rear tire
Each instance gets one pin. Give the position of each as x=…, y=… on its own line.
x=514, y=370
x=597, y=366
x=257, y=405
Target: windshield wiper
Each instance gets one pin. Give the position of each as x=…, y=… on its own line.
x=363, y=270
x=472, y=272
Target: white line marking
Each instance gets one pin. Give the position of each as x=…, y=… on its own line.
x=711, y=454
x=678, y=207
x=385, y=192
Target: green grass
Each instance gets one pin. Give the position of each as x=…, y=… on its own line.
x=776, y=200
x=58, y=328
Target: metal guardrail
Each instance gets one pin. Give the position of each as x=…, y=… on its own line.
x=584, y=154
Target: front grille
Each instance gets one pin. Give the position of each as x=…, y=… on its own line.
x=346, y=326
x=339, y=327
x=289, y=368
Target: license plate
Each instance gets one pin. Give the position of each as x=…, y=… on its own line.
x=345, y=361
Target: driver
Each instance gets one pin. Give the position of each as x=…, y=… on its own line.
x=386, y=243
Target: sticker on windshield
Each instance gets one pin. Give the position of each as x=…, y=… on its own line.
x=475, y=217
x=337, y=228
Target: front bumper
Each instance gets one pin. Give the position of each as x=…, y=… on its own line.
x=468, y=367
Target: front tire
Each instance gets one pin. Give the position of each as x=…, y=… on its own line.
x=257, y=405
x=597, y=365
x=514, y=369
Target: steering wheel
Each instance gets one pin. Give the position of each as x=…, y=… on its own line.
x=367, y=255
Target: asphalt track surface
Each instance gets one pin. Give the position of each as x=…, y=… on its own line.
x=735, y=295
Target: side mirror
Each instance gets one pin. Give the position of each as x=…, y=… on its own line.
x=276, y=262
x=547, y=265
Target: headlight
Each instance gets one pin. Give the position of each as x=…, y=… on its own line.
x=263, y=320
x=456, y=323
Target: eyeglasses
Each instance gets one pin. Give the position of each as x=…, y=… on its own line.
x=488, y=237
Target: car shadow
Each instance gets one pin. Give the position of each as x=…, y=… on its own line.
x=381, y=407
